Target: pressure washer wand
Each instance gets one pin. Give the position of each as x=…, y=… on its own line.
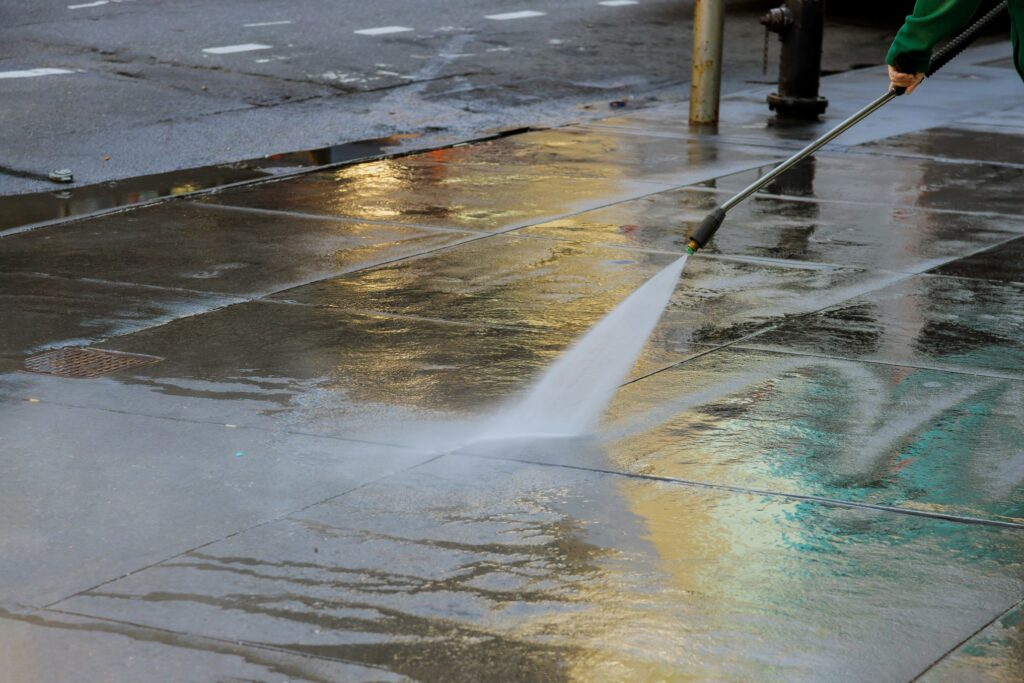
x=709, y=226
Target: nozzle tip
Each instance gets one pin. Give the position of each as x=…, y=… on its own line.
x=692, y=247
x=691, y=250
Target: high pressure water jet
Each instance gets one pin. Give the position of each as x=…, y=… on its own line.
x=709, y=226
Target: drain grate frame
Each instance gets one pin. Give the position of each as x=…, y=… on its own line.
x=83, y=362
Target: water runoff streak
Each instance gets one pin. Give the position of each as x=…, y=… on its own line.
x=570, y=397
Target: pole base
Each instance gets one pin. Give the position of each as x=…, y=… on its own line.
x=807, y=108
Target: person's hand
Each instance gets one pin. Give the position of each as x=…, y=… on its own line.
x=898, y=79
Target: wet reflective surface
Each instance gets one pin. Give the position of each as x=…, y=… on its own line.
x=508, y=280
x=63, y=202
x=882, y=434
x=814, y=472
x=505, y=183
x=924, y=183
x=524, y=572
x=793, y=225
x=928, y=321
x=212, y=249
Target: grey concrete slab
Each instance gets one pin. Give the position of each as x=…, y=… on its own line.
x=1004, y=263
x=199, y=247
x=415, y=191
x=550, y=284
x=991, y=145
x=89, y=495
x=587, y=151
x=46, y=645
x=790, y=225
x=960, y=324
x=992, y=656
x=896, y=181
x=924, y=440
x=41, y=312
x=466, y=569
x=325, y=371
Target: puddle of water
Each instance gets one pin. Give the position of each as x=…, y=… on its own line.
x=26, y=209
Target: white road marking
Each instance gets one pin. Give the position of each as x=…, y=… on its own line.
x=618, y=3
x=382, y=30
x=30, y=73
x=268, y=23
x=231, y=49
x=525, y=14
x=89, y=4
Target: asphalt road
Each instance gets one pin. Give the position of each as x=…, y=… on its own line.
x=133, y=87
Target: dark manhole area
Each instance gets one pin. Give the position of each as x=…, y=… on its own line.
x=82, y=363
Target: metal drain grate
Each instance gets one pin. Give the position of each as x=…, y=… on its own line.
x=79, y=362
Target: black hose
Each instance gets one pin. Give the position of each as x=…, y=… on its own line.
x=962, y=41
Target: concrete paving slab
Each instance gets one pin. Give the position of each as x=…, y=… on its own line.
x=413, y=191
x=585, y=151
x=925, y=440
x=992, y=656
x=103, y=650
x=958, y=324
x=1004, y=263
x=326, y=371
x=977, y=144
x=569, y=286
x=89, y=495
x=895, y=181
x=466, y=569
x=1011, y=119
x=790, y=225
x=209, y=248
x=41, y=312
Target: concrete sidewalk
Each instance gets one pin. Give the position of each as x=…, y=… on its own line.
x=815, y=473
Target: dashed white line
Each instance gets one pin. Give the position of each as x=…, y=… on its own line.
x=268, y=23
x=30, y=73
x=618, y=3
x=525, y=14
x=89, y=4
x=231, y=49
x=382, y=30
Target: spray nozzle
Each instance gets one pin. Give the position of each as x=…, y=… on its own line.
x=706, y=230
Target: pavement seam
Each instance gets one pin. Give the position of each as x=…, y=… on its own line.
x=185, y=634
x=872, y=361
x=800, y=497
x=251, y=527
x=184, y=420
x=328, y=218
x=950, y=651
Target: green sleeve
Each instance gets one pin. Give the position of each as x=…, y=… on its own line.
x=931, y=21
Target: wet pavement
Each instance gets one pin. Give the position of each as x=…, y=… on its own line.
x=814, y=472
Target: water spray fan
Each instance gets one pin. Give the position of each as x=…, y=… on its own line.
x=709, y=226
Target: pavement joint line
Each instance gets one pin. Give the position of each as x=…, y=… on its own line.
x=279, y=518
x=701, y=354
x=826, y=200
x=800, y=497
x=862, y=152
x=251, y=182
x=977, y=372
x=328, y=218
x=215, y=423
x=852, y=202
x=231, y=298
x=230, y=643
x=1016, y=605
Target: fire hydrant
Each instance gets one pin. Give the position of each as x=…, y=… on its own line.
x=800, y=25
